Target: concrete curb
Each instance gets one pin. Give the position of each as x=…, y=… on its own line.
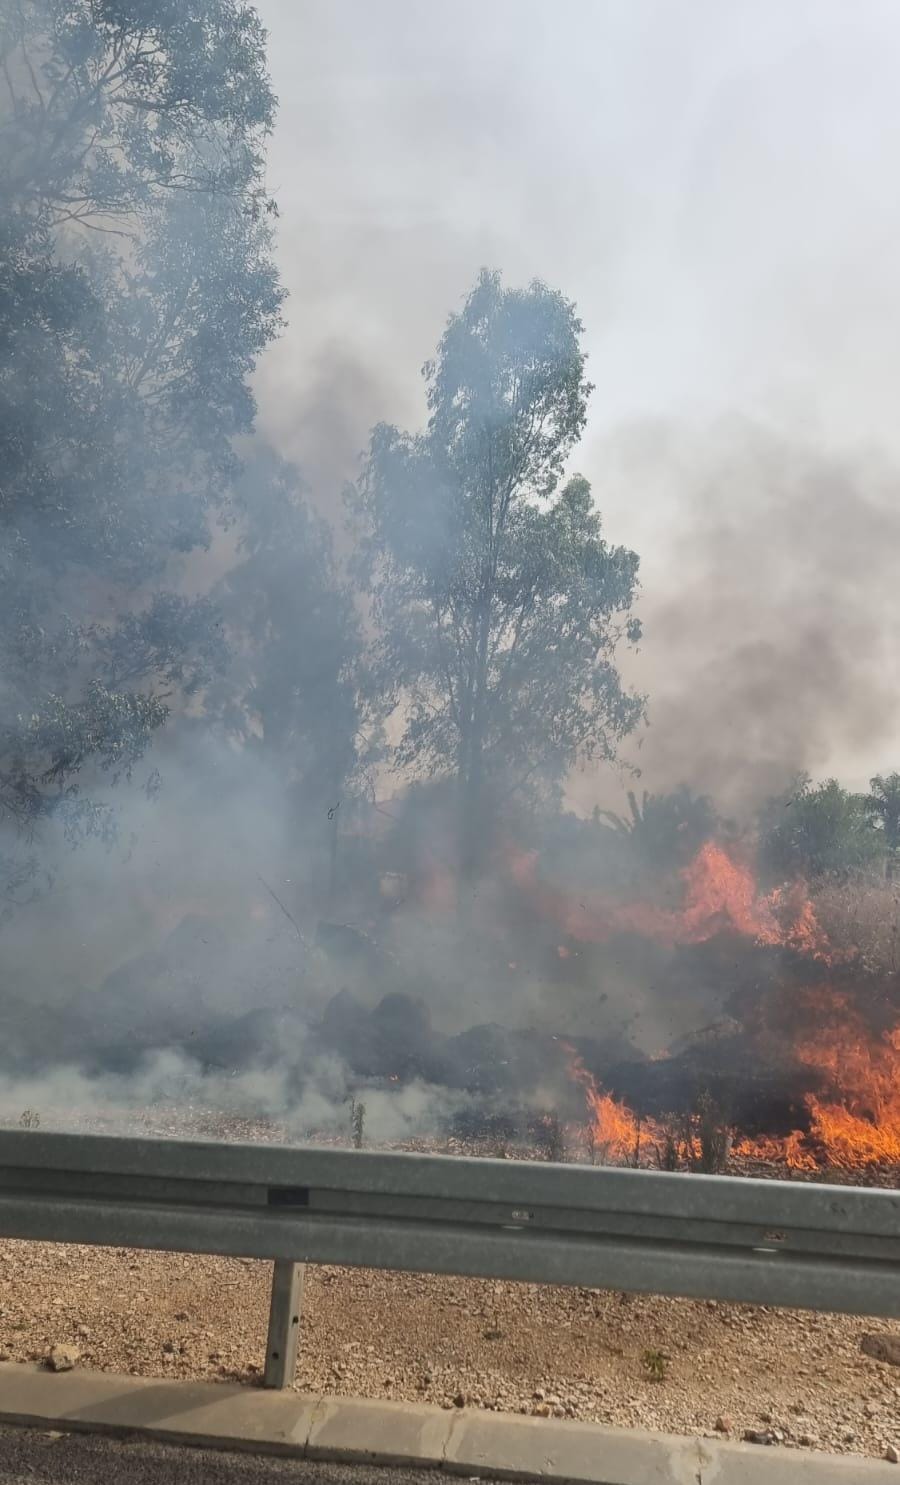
x=465, y=1442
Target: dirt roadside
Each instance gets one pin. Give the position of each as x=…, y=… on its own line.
x=676, y=1365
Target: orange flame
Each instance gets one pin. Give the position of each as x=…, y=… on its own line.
x=615, y=1131
x=720, y=895
x=858, y=1124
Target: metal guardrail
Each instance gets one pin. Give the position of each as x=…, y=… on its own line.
x=712, y=1237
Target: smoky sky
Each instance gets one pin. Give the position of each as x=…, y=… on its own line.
x=714, y=186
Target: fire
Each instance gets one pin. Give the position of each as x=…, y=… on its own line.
x=862, y=1125
x=719, y=896
x=859, y=1126
x=789, y=1149
x=855, y=1123
x=614, y=1129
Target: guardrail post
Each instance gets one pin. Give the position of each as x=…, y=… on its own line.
x=284, y=1324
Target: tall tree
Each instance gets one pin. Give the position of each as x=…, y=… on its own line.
x=498, y=604
x=136, y=290
x=883, y=806
x=291, y=692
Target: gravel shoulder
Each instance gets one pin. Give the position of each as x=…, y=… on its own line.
x=675, y=1365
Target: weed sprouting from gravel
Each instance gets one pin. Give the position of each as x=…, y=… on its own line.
x=655, y=1364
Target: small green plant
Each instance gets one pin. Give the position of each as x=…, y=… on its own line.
x=28, y=1119
x=357, y=1123
x=655, y=1364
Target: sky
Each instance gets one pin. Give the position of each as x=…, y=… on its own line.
x=715, y=187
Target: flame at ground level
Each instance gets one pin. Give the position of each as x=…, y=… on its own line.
x=856, y=1127
x=854, y=1117
x=861, y=1125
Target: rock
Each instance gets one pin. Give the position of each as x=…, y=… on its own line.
x=62, y=1358
x=871, y=1410
x=723, y=1424
x=460, y=1400
x=809, y=1440
x=882, y=1348
x=892, y=1455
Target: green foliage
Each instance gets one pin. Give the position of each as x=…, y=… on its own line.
x=664, y=831
x=292, y=686
x=498, y=603
x=817, y=830
x=136, y=290
x=882, y=806
x=113, y=106
x=357, y=1123
x=655, y=1364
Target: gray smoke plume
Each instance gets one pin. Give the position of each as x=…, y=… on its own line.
x=771, y=608
x=708, y=186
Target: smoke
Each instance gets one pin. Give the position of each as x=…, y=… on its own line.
x=337, y=397
x=771, y=610
x=720, y=219
x=171, y=1094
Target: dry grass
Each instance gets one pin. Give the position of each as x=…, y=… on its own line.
x=862, y=915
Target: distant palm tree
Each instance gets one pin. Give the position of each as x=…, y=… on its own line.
x=664, y=829
x=883, y=809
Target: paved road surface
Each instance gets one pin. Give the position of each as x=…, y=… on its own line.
x=34, y=1458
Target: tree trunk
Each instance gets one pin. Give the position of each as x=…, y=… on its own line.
x=473, y=833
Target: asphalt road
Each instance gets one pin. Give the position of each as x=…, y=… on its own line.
x=31, y=1457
